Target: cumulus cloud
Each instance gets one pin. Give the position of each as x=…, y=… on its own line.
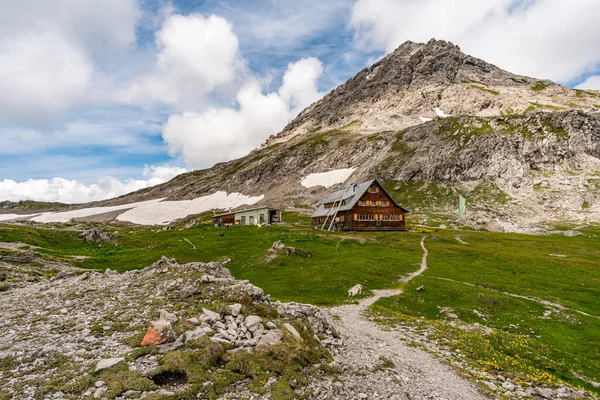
x=196, y=56
x=72, y=191
x=299, y=87
x=49, y=51
x=520, y=36
x=591, y=83
x=219, y=134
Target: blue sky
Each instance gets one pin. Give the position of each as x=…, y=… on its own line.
x=96, y=90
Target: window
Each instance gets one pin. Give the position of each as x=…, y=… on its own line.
x=365, y=217
x=243, y=220
x=384, y=203
x=373, y=189
x=262, y=218
x=252, y=220
x=362, y=203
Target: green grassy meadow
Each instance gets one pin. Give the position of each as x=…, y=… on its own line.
x=529, y=341
x=480, y=281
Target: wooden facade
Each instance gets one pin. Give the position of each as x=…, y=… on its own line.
x=367, y=207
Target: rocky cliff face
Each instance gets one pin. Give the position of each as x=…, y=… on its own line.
x=430, y=122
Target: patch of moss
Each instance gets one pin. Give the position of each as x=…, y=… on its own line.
x=464, y=128
x=550, y=127
x=494, y=92
x=519, y=80
x=546, y=106
x=119, y=379
x=488, y=192
x=541, y=85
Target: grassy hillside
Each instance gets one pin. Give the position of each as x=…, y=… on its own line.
x=496, y=280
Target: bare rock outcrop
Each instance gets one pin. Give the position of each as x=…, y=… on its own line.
x=97, y=320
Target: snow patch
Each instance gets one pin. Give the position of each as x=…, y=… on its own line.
x=425, y=119
x=66, y=216
x=327, y=179
x=151, y=212
x=8, y=217
x=440, y=113
x=164, y=212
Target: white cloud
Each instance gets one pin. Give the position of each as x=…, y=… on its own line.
x=41, y=75
x=71, y=191
x=525, y=37
x=224, y=133
x=49, y=51
x=196, y=56
x=591, y=83
x=299, y=87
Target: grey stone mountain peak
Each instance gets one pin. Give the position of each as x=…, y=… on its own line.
x=408, y=85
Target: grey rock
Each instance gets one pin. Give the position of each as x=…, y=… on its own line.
x=108, y=362
x=193, y=335
x=292, y=330
x=271, y=338
x=210, y=316
x=253, y=323
x=100, y=392
x=253, y=291
x=271, y=325
x=235, y=309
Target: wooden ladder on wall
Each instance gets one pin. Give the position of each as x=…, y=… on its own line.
x=336, y=210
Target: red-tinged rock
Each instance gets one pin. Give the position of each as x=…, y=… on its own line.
x=159, y=332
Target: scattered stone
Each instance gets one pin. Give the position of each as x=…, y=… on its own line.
x=210, y=316
x=253, y=323
x=172, y=318
x=107, y=363
x=255, y=292
x=355, y=290
x=100, y=392
x=292, y=330
x=192, y=320
x=235, y=309
x=545, y=393
x=96, y=235
x=270, y=325
x=572, y=233
x=271, y=338
x=421, y=289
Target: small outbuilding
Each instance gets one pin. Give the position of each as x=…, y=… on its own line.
x=253, y=216
x=364, y=206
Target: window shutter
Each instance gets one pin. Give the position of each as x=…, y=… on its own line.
x=355, y=217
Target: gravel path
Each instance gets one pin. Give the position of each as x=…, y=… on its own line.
x=417, y=374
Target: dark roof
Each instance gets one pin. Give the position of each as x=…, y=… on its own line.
x=351, y=194
x=248, y=209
